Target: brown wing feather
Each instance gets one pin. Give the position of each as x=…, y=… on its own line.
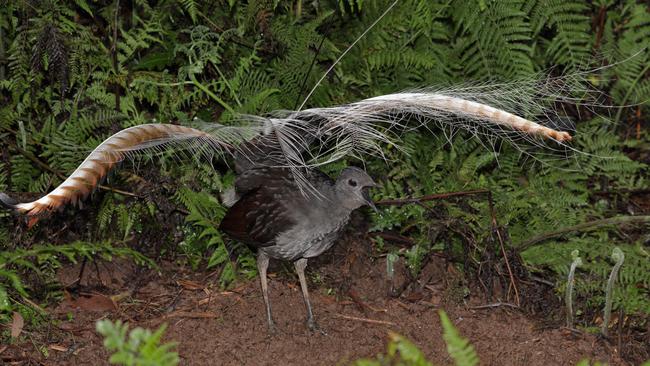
x=256, y=219
x=261, y=215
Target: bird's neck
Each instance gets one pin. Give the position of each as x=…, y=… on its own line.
x=347, y=200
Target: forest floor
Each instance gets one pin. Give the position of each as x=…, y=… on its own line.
x=351, y=304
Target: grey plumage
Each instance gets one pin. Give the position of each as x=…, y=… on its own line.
x=274, y=217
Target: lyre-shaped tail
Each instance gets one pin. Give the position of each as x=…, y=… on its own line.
x=99, y=163
x=351, y=129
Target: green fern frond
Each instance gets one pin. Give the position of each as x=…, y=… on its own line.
x=570, y=43
x=495, y=42
x=459, y=348
x=191, y=7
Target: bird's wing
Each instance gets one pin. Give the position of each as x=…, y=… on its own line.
x=260, y=215
x=269, y=202
x=257, y=218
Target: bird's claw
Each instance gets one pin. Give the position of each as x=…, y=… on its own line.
x=313, y=327
x=272, y=329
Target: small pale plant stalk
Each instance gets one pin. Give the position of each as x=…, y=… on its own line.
x=568, y=297
x=619, y=257
x=391, y=259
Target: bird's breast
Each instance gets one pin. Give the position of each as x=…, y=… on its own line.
x=307, y=240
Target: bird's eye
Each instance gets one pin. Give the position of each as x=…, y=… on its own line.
x=352, y=182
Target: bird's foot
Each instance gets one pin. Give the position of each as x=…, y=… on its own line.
x=272, y=328
x=314, y=327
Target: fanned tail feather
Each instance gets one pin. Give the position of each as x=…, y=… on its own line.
x=99, y=163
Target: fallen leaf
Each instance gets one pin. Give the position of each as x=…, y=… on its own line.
x=205, y=301
x=91, y=302
x=57, y=347
x=190, y=285
x=121, y=296
x=17, y=324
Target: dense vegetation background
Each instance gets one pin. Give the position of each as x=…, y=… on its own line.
x=73, y=73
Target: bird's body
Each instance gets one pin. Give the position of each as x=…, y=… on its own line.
x=272, y=216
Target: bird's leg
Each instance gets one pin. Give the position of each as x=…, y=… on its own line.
x=262, y=265
x=300, y=265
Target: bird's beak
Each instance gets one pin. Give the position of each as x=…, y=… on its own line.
x=372, y=205
x=366, y=195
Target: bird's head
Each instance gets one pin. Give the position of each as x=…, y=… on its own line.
x=353, y=187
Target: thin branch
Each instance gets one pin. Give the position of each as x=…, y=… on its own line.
x=585, y=226
x=431, y=197
x=401, y=239
x=495, y=305
x=365, y=320
x=114, y=53
x=495, y=228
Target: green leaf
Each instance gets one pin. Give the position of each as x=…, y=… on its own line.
x=84, y=5
x=155, y=61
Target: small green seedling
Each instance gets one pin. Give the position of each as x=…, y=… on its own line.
x=618, y=257
x=568, y=297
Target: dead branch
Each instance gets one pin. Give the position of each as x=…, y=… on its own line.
x=585, y=226
x=431, y=197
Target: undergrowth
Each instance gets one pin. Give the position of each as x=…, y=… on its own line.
x=73, y=73
x=138, y=347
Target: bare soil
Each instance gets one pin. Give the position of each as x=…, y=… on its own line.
x=351, y=304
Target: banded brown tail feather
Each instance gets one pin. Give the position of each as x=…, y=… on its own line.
x=85, y=179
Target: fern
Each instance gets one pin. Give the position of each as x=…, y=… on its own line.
x=495, y=41
x=568, y=20
x=45, y=259
x=205, y=214
x=459, y=349
x=139, y=347
x=400, y=351
x=631, y=86
x=190, y=6
x=291, y=69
